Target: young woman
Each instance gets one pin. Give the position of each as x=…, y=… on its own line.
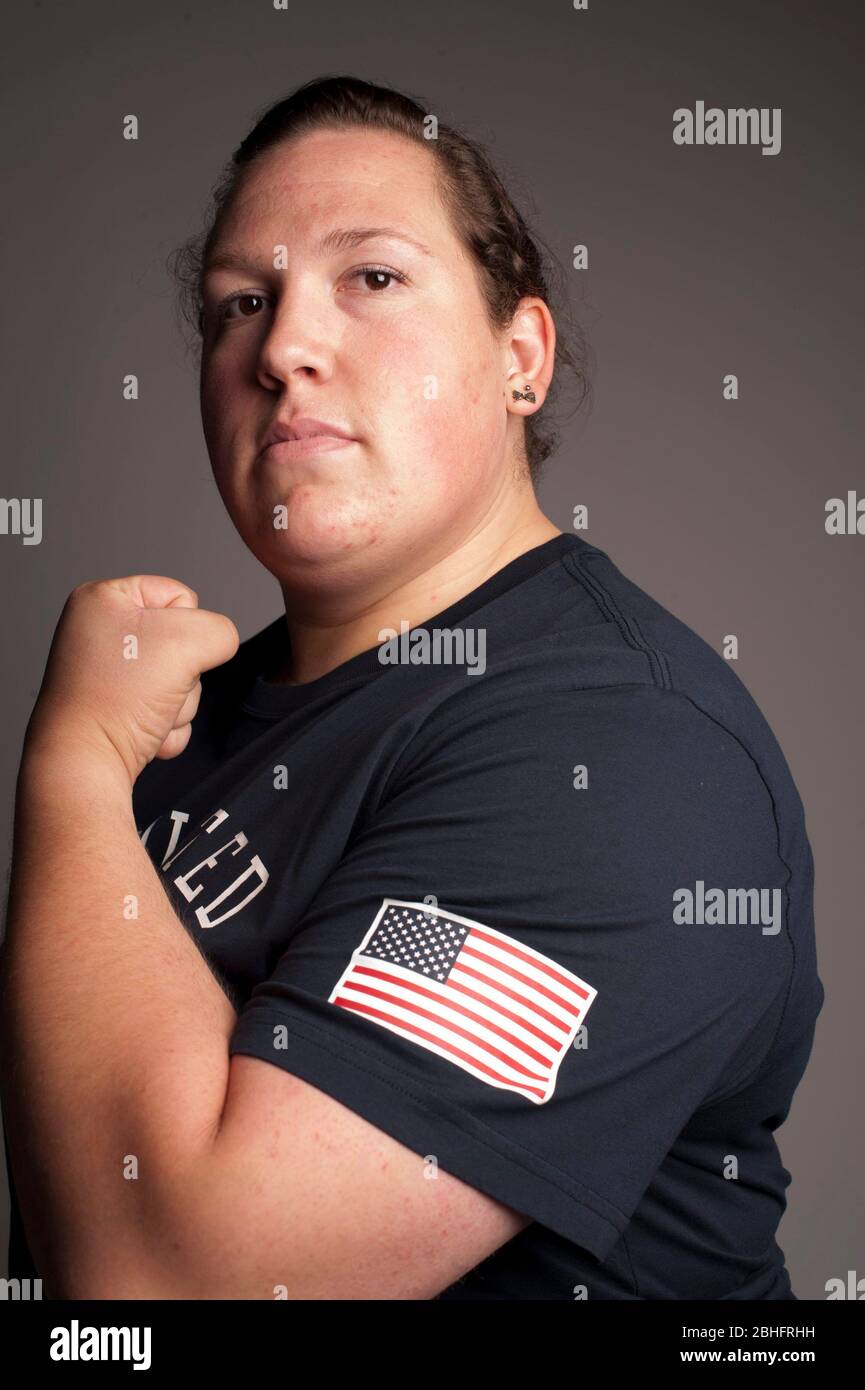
x=463, y=946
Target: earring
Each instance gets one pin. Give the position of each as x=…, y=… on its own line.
x=527, y=395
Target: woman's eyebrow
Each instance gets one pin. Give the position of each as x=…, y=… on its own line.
x=339, y=239
x=345, y=238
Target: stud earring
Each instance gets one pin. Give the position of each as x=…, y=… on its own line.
x=527, y=395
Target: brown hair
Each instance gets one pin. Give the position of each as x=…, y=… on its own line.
x=509, y=261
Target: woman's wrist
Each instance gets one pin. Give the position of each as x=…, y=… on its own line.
x=63, y=757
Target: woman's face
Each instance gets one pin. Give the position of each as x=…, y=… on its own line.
x=404, y=362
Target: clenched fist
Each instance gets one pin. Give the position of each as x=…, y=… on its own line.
x=123, y=671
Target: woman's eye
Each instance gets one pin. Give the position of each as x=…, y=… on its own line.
x=239, y=299
x=376, y=276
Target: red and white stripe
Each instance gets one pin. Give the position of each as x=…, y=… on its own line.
x=507, y=1013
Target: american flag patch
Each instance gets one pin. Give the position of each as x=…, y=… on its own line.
x=477, y=997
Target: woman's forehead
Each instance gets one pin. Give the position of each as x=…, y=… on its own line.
x=334, y=205
x=361, y=157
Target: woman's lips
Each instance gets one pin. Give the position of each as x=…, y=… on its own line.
x=289, y=449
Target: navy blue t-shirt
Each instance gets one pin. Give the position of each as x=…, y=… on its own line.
x=536, y=900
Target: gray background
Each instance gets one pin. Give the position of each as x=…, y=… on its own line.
x=702, y=262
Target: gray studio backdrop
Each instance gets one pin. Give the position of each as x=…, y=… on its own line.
x=703, y=261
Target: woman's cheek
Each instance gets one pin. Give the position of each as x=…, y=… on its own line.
x=462, y=435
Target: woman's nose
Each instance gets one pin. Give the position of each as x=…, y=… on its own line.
x=299, y=337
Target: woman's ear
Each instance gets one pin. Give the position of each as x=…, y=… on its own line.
x=530, y=349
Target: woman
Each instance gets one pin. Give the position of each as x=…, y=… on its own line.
x=498, y=878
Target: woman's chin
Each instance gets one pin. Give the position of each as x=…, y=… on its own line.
x=317, y=539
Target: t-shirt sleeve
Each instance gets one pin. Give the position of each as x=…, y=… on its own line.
x=497, y=973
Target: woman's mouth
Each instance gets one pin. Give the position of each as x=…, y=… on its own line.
x=289, y=449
